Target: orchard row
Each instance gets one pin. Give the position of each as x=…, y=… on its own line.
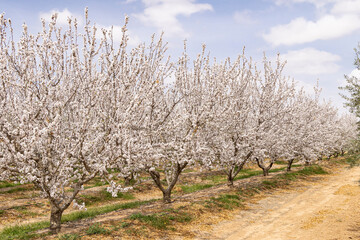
x=74, y=104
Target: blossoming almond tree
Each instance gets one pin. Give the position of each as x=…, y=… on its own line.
x=271, y=105
x=54, y=129
x=227, y=134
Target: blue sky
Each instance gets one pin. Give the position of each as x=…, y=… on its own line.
x=316, y=37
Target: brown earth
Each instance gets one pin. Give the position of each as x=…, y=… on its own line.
x=327, y=209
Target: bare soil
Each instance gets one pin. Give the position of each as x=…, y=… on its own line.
x=326, y=209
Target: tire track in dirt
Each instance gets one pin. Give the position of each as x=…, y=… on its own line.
x=329, y=209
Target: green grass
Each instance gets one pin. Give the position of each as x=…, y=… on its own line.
x=18, y=189
x=23, y=210
x=247, y=173
x=103, y=196
x=188, y=170
x=92, y=212
x=26, y=231
x=195, y=187
x=352, y=160
x=227, y=201
x=23, y=231
x=230, y=201
x=306, y=171
x=162, y=220
x=96, y=184
x=69, y=236
x=4, y=184
x=97, y=229
x=270, y=183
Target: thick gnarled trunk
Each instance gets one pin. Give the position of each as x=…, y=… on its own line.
x=233, y=172
x=290, y=162
x=55, y=219
x=265, y=169
x=128, y=179
x=167, y=191
x=235, y=169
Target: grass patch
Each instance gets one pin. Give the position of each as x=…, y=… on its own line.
x=246, y=173
x=306, y=171
x=163, y=220
x=23, y=231
x=92, y=212
x=188, y=170
x=195, y=187
x=103, y=196
x=69, y=236
x=4, y=184
x=18, y=189
x=26, y=231
x=227, y=201
x=97, y=229
x=270, y=183
x=215, y=179
x=352, y=160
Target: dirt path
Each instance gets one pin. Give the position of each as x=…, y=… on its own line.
x=329, y=209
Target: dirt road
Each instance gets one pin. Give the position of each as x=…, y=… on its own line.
x=328, y=209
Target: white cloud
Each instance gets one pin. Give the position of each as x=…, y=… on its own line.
x=346, y=7
x=310, y=61
x=134, y=40
x=307, y=87
x=317, y=3
x=163, y=14
x=301, y=30
x=62, y=16
x=244, y=17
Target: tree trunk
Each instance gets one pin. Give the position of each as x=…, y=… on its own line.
x=167, y=192
x=128, y=179
x=233, y=172
x=266, y=171
x=263, y=167
x=342, y=152
x=167, y=196
x=288, y=169
x=230, y=179
x=55, y=219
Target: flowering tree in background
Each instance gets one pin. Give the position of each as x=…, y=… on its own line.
x=228, y=134
x=271, y=105
x=177, y=112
